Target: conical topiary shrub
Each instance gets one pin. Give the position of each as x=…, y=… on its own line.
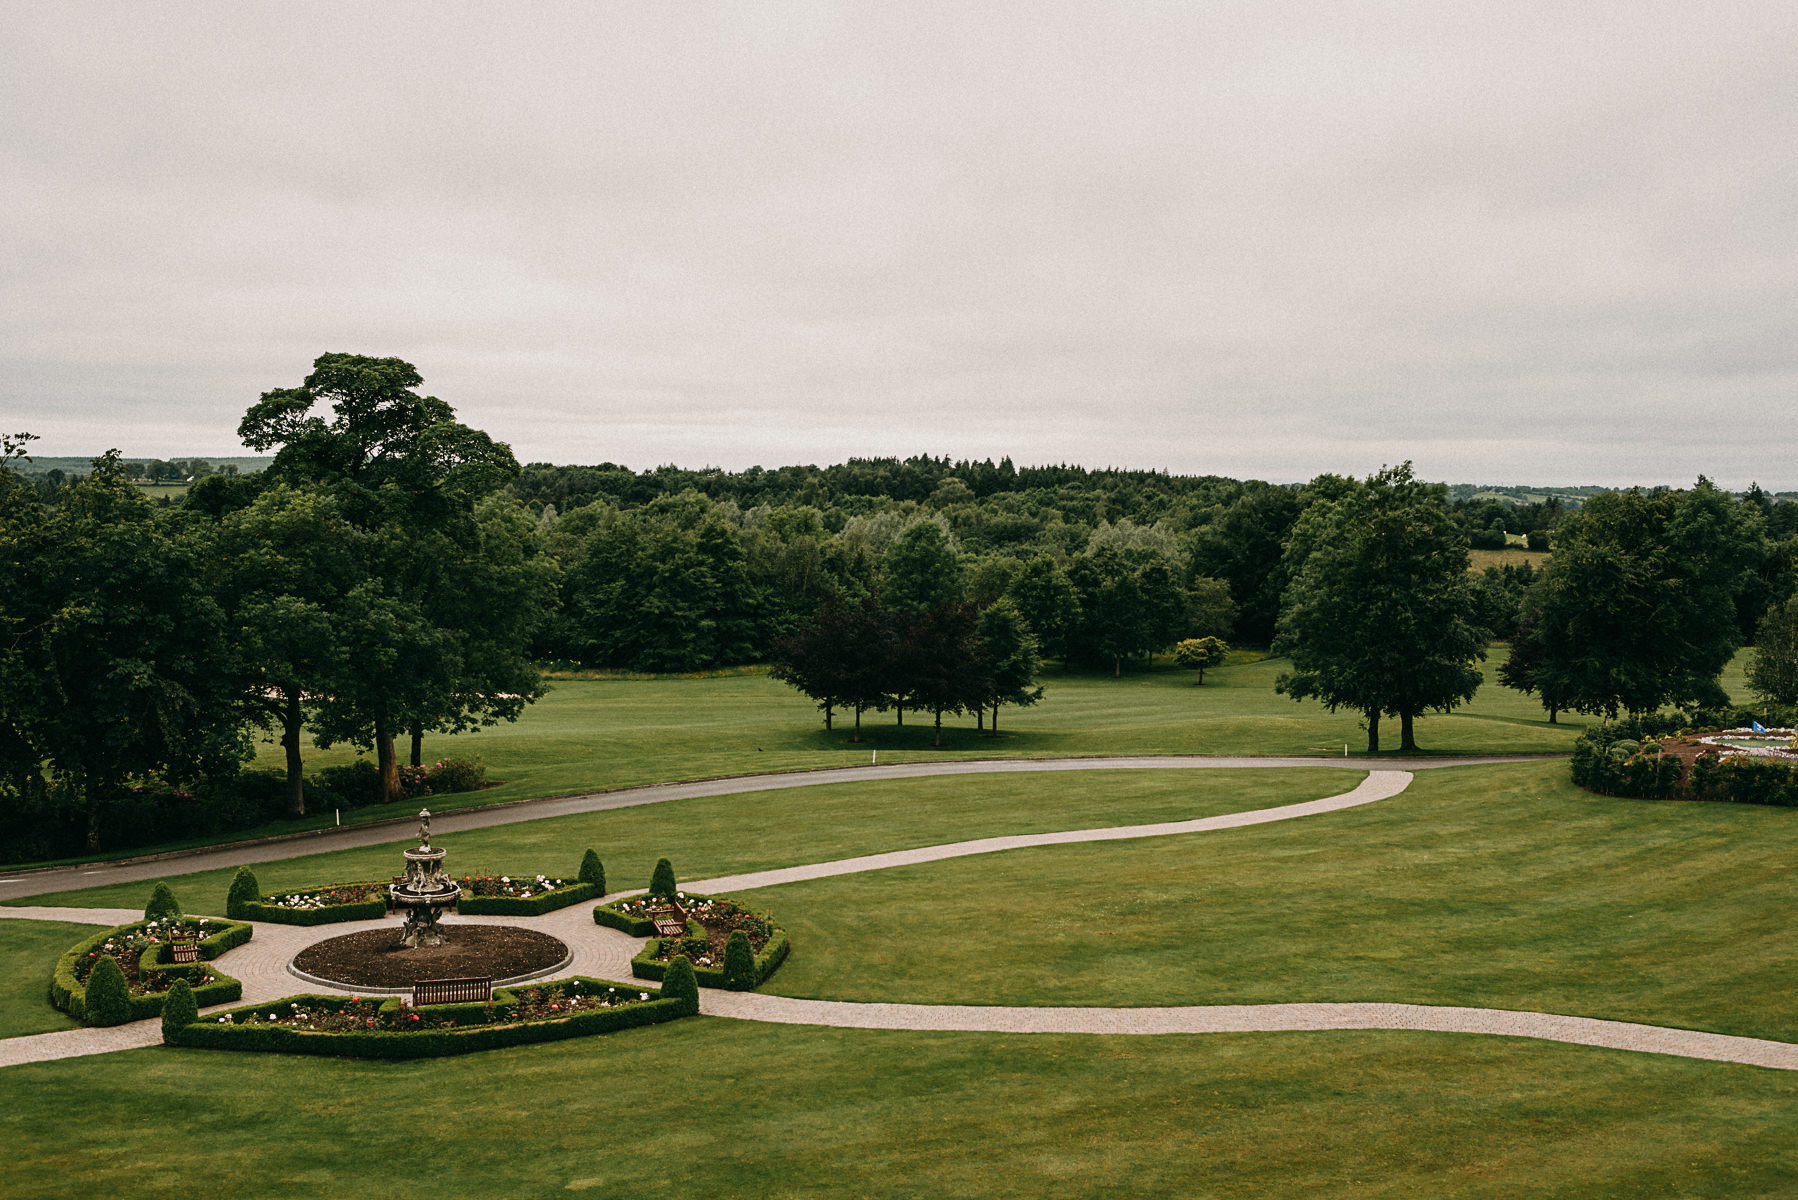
x=162, y=904
x=661, y=883
x=108, y=996
x=593, y=871
x=179, y=1010
x=679, y=983
x=244, y=891
x=739, y=963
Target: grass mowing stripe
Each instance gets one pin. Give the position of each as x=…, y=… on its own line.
x=724, y=1109
x=715, y=835
x=1497, y=886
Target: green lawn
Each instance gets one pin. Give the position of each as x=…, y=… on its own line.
x=728, y=834
x=595, y=734
x=28, y=951
x=1486, y=885
x=719, y=1109
x=1493, y=886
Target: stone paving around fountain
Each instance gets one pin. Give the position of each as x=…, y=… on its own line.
x=262, y=965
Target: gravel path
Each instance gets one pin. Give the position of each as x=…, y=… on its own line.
x=262, y=963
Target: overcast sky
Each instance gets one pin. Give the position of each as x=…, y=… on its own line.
x=1523, y=242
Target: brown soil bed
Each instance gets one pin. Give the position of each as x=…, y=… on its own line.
x=375, y=959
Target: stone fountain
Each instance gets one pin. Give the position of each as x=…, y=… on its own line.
x=425, y=891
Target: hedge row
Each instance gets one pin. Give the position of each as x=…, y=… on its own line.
x=774, y=952
x=70, y=994
x=1613, y=766
x=611, y=918
x=535, y=906
x=262, y=910
x=1743, y=780
x=210, y=1033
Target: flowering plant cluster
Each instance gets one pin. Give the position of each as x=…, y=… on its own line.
x=325, y=897
x=541, y=1003
x=522, y=887
x=1766, y=743
x=720, y=917
x=127, y=949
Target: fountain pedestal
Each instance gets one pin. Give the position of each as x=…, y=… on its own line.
x=425, y=891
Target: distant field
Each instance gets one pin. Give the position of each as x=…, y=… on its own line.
x=1514, y=556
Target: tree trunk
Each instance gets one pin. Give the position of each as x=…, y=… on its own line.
x=418, y=745
x=827, y=716
x=1406, y=739
x=1117, y=667
x=939, y=728
x=93, y=811
x=980, y=719
x=1373, y=731
x=1552, y=714
x=858, y=724
x=900, y=709
x=386, y=759
x=290, y=742
x=995, y=720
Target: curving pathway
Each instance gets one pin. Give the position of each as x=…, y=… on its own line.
x=605, y=953
x=16, y=885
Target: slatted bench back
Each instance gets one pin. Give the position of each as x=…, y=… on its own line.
x=453, y=991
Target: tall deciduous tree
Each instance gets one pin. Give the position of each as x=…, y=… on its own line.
x=408, y=475
x=920, y=571
x=1376, y=614
x=1773, y=671
x=1637, y=608
x=128, y=648
x=1008, y=656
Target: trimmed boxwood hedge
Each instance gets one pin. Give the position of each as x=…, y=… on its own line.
x=361, y=910
x=209, y=1033
x=611, y=918
x=70, y=995
x=774, y=952
x=536, y=906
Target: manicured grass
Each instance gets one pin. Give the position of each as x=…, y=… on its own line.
x=28, y=953
x=1493, y=886
x=727, y=834
x=720, y=1109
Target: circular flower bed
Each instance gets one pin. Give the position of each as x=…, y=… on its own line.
x=1762, y=743
x=374, y=959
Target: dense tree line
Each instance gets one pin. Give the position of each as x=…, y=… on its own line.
x=394, y=572
x=373, y=583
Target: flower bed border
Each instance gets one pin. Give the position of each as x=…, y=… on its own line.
x=210, y=1033
x=69, y=994
x=359, y=910
x=774, y=952
x=535, y=906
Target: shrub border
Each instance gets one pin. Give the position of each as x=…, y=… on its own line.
x=774, y=952
x=210, y=1033
x=357, y=910
x=70, y=995
x=536, y=906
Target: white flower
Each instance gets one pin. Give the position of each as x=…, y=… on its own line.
x=642, y=995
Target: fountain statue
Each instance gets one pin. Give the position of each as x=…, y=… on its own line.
x=425, y=891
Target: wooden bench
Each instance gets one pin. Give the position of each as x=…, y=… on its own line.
x=184, y=952
x=472, y=990
x=670, y=921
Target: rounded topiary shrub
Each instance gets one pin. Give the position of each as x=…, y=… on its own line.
x=244, y=891
x=739, y=963
x=108, y=996
x=179, y=1009
x=593, y=871
x=679, y=983
x=162, y=903
x=661, y=883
